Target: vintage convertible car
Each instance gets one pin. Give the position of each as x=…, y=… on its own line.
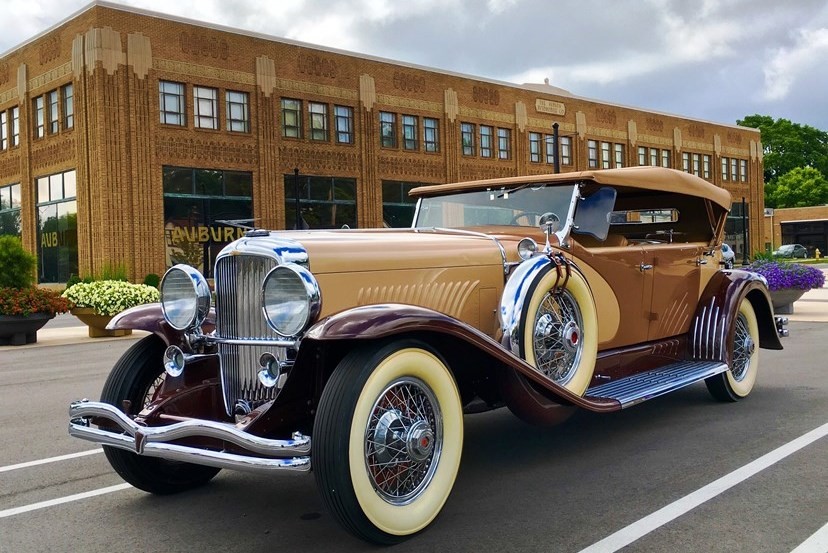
x=355, y=353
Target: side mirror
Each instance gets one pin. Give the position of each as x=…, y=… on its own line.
x=549, y=223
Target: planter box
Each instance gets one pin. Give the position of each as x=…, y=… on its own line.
x=97, y=323
x=17, y=330
x=784, y=299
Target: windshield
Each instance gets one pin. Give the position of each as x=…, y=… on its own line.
x=520, y=206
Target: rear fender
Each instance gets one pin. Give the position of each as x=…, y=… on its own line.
x=712, y=327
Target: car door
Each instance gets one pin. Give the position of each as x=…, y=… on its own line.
x=672, y=281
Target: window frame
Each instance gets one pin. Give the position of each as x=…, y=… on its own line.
x=486, y=139
x=665, y=158
x=39, y=117
x=619, y=155
x=410, y=132
x=54, y=117
x=209, y=101
x=164, y=95
x=565, y=143
x=431, y=135
x=318, y=126
x=67, y=100
x=504, y=143
x=606, y=155
x=291, y=107
x=344, y=124
x=388, y=129
x=468, y=131
x=642, y=156
x=535, y=140
x=4, y=130
x=234, y=124
x=592, y=154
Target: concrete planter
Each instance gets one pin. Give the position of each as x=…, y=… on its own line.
x=784, y=299
x=17, y=330
x=97, y=323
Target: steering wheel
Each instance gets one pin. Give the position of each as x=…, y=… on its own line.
x=528, y=215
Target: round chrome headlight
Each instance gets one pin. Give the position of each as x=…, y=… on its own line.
x=527, y=248
x=290, y=299
x=185, y=297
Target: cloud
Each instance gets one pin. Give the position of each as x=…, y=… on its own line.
x=786, y=65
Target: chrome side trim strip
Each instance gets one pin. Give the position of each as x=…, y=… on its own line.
x=291, y=454
x=251, y=342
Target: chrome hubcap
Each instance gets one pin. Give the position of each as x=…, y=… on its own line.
x=403, y=440
x=557, y=337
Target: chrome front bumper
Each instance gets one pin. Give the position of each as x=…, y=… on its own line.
x=266, y=455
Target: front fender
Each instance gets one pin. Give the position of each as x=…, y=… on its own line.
x=711, y=329
x=379, y=321
x=150, y=317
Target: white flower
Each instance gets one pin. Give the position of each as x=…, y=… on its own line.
x=109, y=297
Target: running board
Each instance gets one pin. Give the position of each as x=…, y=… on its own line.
x=632, y=390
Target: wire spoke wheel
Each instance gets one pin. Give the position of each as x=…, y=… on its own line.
x=557, y=336
x=403, y=440
x=743, y=348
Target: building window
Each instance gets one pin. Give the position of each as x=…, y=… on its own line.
x=344, y=116
x=743, y=170
x=202, y=211
x=397, y=205
x=467, y=138
x=724, y=168
x=642, y=155
x=665, y=158
x=171, y=100
x=324, y=202
x=534, y=147
x=4, y=130
x=706, y=166
x=53, y=111
x=68, y=106
x=388, y=129
x=431, y=134
x=566, y=150
x=592, y=154
x=57, y=231
x=410, y=132
x=696, y=166
x=37, y=107
x=205, y=101
x=10, y=209
x=504, y=143
x=734, y=169
x=619, y=155
x=238, y=111
x=318, y=114
x=15, y=126
x=605, y=155
x=486, y=135
x=291, y=118
x=685, y=162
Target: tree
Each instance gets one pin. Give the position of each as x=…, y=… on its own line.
x=789, y=145
x=800, y=187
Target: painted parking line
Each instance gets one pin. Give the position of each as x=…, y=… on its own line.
x=28, y=464
x=62, y=500
x=651, y=522
x=818, y=543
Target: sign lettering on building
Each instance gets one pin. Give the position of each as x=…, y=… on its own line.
x=198, y=44
x=486, y=95
x=181, y=235
x=549, y=106
x=318, y=66
x=409, y=82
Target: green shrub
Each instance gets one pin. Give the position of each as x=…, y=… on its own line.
x=109, y=297
x=152, y=280
x=17, y=264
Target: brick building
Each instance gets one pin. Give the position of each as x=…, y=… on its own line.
x=797, y=225
x=137, y=139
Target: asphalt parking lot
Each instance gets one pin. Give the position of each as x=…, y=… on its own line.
x=679, y=473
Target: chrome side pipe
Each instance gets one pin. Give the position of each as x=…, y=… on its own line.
x=276, y=455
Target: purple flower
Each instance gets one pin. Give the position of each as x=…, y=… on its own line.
x=780, y=274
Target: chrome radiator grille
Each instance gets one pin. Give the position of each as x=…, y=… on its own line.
x=238, y=280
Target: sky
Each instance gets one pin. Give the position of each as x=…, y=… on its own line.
x=715, y=60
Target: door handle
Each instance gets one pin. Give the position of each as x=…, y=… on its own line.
x=645, y=267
